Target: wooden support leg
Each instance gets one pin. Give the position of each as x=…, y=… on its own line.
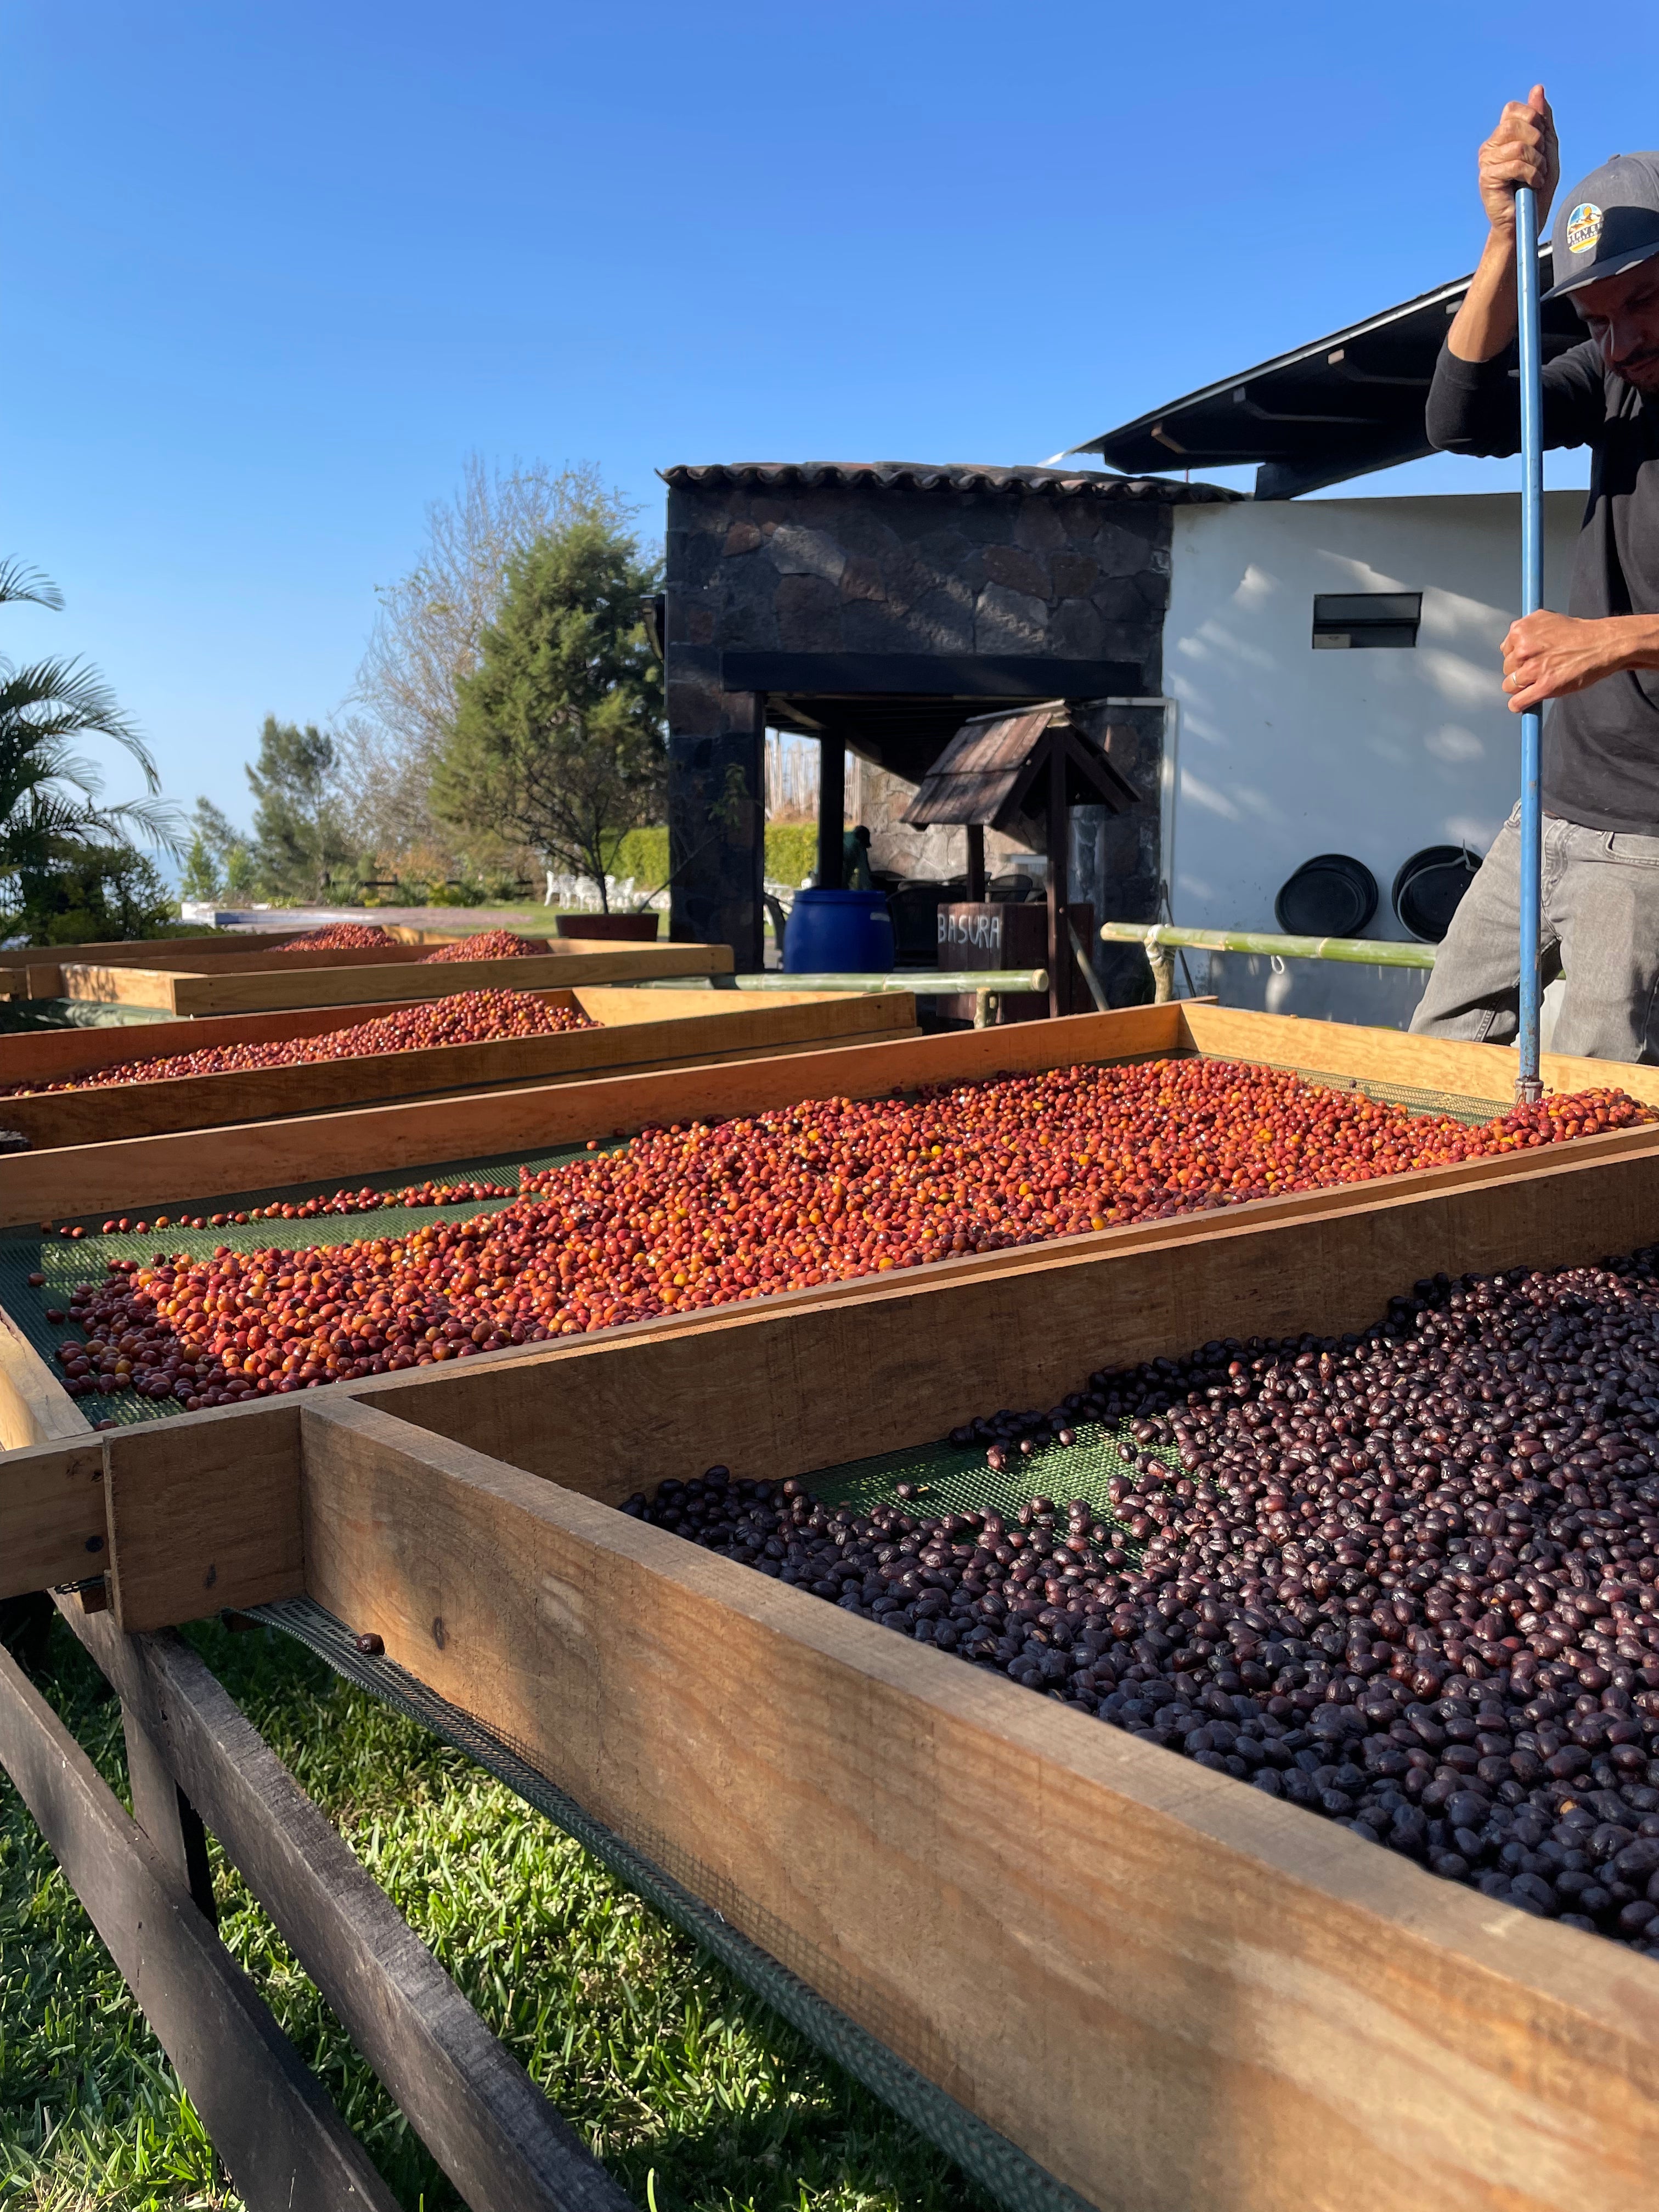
x=474, y=2107
x=270, y=2117
x=168, y=1818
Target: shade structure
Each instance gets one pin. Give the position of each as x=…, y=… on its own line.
x=1001, y=769
x=997, y=768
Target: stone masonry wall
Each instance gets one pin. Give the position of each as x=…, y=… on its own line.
x=827, y=568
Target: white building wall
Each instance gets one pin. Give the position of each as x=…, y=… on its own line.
x=1283, y=752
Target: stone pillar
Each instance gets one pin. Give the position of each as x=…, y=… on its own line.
x=716, y=806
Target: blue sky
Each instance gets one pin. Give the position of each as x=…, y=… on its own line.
x=271, y=273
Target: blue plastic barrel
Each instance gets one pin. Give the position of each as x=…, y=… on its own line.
x=838, y=933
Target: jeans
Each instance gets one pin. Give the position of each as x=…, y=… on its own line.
x=1600, y=928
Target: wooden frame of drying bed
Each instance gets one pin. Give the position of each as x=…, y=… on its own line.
x=34, y=969
x=252, y=983
x=173, y=1170
x=638, y=1030
x=1168, y=1989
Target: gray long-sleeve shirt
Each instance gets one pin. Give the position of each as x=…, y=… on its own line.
x=1600, y=763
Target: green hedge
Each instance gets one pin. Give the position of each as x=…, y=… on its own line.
x=643, y=854
x=791, y=851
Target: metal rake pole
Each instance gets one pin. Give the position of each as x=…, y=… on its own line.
x=1528, y=1086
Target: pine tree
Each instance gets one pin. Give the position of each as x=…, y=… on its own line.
x=558, y=739
x=299, y=842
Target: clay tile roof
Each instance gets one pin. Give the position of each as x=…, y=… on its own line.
x=955, y=475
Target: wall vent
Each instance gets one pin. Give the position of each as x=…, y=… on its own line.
x=1344, y=621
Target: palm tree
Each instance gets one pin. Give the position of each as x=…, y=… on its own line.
x=50, y=795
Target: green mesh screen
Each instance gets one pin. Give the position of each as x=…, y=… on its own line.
x=944, y=1479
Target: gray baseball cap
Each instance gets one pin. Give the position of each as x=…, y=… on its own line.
x=1608, y=222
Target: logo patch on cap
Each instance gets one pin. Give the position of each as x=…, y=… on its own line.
x=1584, y=228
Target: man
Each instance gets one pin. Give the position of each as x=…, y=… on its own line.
x=1599, y=662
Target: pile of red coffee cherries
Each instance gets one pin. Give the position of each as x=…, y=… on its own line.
x=695, y=1216
x=341, y=937
x=423, y=1025
x=489, y=945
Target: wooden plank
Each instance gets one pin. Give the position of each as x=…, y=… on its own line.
x=57, y=1055
x=693, y=1026
x=1471, y=1071
x=268, y=2117
x=204, y=993
x=157, y=1170
x=160, y=1807
x=1169, y=1989
x=132, y=951
x=841, y=1014
x=477, y=2111
x=53, y=1522
x=251, y=956
x=34, y=1406
x=221, y=1498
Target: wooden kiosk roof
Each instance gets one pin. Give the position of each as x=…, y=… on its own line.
x=996, y=768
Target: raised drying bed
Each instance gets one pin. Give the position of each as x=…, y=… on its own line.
x=1168, y=1989
x=637, y=1028
x=248, y=982
x=37, y=970
x=31, y=971
x=491, y=1135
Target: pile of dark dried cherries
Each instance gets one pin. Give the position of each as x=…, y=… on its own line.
x=1409, y=1579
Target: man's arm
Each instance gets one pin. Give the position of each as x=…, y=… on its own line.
x=1548, y=656
x=1474, y=403
x=1522, y=150
x=1474, y=408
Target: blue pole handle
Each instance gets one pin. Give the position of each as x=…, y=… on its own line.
x=1529, y=1086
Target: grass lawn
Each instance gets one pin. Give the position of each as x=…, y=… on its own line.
x=689, y=2089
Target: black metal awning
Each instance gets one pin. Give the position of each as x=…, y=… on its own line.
x=1338, y=408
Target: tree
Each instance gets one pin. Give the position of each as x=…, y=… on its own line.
x=51, y=811
x=558, y=736
x=200, y=878
x=96, y=894
x=299, y=833
x=426, y=641
x=220, y=862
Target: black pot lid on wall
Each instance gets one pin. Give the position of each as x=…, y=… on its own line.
x=1333, y=894
x=1429, y=886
